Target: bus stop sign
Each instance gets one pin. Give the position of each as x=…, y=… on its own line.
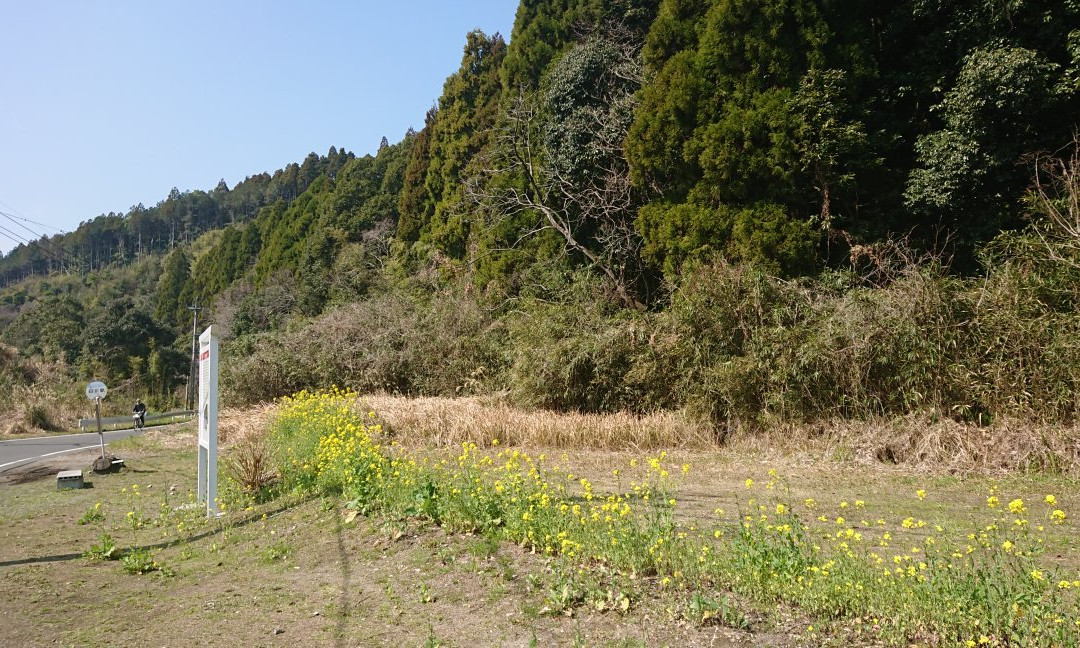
x=96, y=389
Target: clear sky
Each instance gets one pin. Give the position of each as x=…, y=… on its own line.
x=104, y=105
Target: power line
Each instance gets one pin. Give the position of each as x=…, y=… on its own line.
x=42, y=243
x=15, y=238
x=17, y=214
x=46, y=246
x=62, y=258
x=15, y=219
x=22, y=241
x=9, y=238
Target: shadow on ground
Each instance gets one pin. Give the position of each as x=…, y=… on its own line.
x=195, y=538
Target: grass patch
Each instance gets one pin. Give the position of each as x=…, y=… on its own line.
x=277, y=552
x=476, y=555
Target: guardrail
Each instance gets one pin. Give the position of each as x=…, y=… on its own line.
x=111, y=422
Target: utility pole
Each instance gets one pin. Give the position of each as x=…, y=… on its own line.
x=194, y=308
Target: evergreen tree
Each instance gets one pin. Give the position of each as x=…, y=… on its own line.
x=462, y=129
x=415, y=205
x=174, y=288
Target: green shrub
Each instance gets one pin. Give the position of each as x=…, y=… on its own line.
x=571, y=357
x=39, y=416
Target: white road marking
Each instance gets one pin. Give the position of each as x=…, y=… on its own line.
x=47, y=454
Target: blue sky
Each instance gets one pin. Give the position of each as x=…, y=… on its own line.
x=104, y=105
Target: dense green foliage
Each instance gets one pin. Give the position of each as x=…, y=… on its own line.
x=638, y=204
x=852, y=118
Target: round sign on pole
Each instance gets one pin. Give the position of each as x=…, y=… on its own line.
x=96, y=389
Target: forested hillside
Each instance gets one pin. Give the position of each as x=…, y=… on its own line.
x=112, y=240
x=746, y=209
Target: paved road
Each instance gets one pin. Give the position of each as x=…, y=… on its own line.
x=20, y=452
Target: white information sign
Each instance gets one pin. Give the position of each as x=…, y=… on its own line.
x=96, y=389
x=208, y=418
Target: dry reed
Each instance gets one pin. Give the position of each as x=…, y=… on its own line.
x=918, y=442
x=927, y=444
x=237, y=424
x=452, y=421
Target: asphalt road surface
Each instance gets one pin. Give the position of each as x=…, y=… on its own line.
x=20, y=452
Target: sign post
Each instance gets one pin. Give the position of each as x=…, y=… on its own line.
x=208, y=419
x=95, y=391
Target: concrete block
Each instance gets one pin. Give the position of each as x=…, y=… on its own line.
x=69, y=479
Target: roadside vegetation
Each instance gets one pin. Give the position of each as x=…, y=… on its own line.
x=735, y=348
x=898, y=580
x=36, y=394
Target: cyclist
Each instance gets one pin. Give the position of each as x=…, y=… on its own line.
x=140, y=411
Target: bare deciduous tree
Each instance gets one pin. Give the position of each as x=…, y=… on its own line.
x=567, y=166
x=1057, y=198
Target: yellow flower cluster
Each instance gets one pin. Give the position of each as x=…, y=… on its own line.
x=553, y=512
